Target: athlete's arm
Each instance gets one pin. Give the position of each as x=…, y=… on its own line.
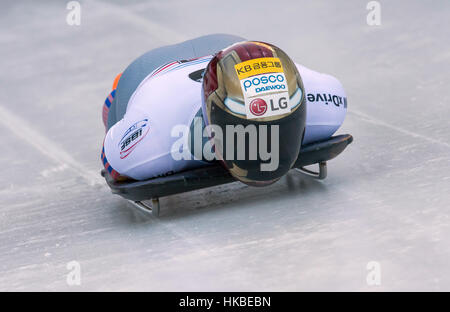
x=140, y=145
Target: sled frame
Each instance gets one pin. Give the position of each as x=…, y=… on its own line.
x=141, y=193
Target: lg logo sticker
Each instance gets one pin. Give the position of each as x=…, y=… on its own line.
x=258, y=107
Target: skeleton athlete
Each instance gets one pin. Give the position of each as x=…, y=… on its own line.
x=162, y=104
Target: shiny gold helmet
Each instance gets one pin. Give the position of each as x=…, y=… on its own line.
x=254, y=104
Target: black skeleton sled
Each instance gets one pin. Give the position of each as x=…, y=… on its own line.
x=152, y=189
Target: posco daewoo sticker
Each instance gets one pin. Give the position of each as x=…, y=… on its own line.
x=263, y=84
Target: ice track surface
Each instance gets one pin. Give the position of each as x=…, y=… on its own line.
x=386, y=199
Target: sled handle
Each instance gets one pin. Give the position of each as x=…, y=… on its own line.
x=322, y=174
x=154, y=208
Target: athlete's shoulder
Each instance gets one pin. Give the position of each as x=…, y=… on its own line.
x=178, y=66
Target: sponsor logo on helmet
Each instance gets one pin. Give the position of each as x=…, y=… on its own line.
x=271, y=88
x=132, y=137
x=258, y=107
x=264, y=83
x=258, y=66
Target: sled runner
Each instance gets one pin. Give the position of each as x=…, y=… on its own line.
x=152, y=189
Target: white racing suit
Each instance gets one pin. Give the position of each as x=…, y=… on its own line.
x=141, y=144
